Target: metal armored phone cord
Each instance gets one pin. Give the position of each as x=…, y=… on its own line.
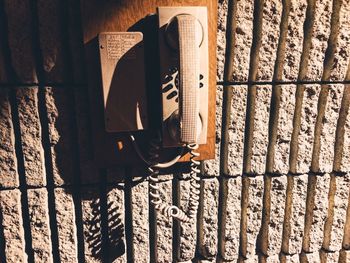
x=155, y=193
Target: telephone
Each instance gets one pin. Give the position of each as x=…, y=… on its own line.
x=183, y=90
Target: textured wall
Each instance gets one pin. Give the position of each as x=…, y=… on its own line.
x=278, y=190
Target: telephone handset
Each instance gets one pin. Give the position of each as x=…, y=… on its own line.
x=183, y=50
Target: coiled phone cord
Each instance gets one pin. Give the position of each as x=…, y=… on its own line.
x=153, y=169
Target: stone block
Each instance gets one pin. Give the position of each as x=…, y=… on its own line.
x=294, y=40
x=40, y=224
x=319, y=39
x=319, y=213
x=261, y=129
x=254, y=214
x=277, y=207
x=29, y=121
x=88, y=168
x=236, y=130
x=342, y=51
x=19, y=23
x=329, y=127
x=8, y=165
x=63, y=148
x=307, y=128
x=116, y=224
x=51, y=39
x=208, y=241
x=140, y=222
x=12, y=226
x=164, y=226
x=188, y=231
x=212, y=167
x=66, y=229
x=221, y=38
x=345, y=159
x=243, y=40
x=297, y=217
x=284, y=129
x=339, y=212
x=233, y=220
x=270, y=32
x=91, y=218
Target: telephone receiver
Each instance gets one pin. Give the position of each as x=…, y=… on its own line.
x=183, y=61
x=183, y=52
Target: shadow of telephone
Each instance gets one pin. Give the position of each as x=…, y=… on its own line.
x=183, y=71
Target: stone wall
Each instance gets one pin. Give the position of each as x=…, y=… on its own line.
x=278, y=190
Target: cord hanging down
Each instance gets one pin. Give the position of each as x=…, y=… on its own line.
x=153, y=168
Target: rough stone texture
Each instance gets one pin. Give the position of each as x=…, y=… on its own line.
x=188, y=232
x=311, y=257
x=292, y=258
x=236, y=130
x=345, y=160
x=346, y=239
x=284, y=129
x=221, y=38
x=319, y=213
x=297, y=214
x=319, y=38
x=11, y=215
x=340, y=206
x=116, y=224
x=34, y=164
x=51, y=39
x=233, y=219
x=164, y=226
x=272, y=11
x=278, y=200
x=62, y=146
x=140, y=222
x=19, y=22
x=329, y=257
x=212, y=167
x=330, y=119
x=307, y=127
x=39, y=225
x=344, y=256
x=209, y=221
x=261, y=129
x=342, y=53
x=243, y=40
x=294, y=40
x=272, y=259
x=8, y=165
x=91, y=218
x=65, y=216
x=254, y=214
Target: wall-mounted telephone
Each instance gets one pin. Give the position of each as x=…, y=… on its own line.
x=182, y=62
